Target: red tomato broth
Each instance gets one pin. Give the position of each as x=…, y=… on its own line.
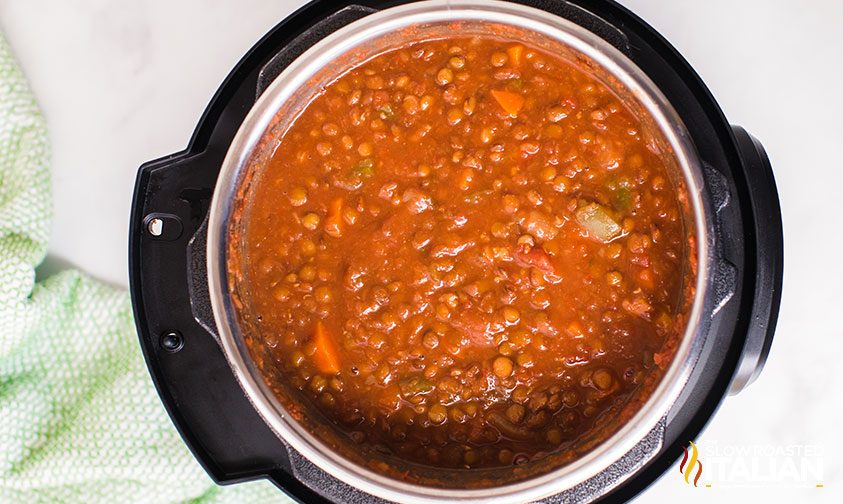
x=456, y=277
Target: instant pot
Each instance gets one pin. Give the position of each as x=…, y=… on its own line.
x=182, y=213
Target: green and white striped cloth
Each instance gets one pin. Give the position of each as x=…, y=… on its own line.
x=80, y=421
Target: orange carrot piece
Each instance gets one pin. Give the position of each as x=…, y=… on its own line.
x=333, y=222
x=509, y=101
x=516, y=54
x=326, y=357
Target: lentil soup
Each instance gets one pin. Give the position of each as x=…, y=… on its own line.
x=465, y=253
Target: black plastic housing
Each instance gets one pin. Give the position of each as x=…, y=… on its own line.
x=194, y=381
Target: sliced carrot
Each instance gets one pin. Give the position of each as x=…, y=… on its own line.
x=516, y=54
x=509, y=101
x=326, y=357
x=333, y=222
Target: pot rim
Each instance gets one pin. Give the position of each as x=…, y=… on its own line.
x=260, y=118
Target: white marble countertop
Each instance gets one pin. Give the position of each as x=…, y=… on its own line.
x=125, y=82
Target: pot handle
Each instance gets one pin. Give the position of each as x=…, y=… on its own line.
x=766, y=226
x=187, y=367
x=285, y=56
x=197, y=280
x=589, y=20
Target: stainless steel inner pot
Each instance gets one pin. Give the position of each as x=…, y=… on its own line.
x=637, y=440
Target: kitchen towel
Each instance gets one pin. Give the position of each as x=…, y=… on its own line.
x=80, y=421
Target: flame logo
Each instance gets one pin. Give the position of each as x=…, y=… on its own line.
x=686, y=471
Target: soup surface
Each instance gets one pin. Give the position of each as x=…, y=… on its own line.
x=466, y=252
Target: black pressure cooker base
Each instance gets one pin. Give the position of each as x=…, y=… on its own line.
x=172, y=197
